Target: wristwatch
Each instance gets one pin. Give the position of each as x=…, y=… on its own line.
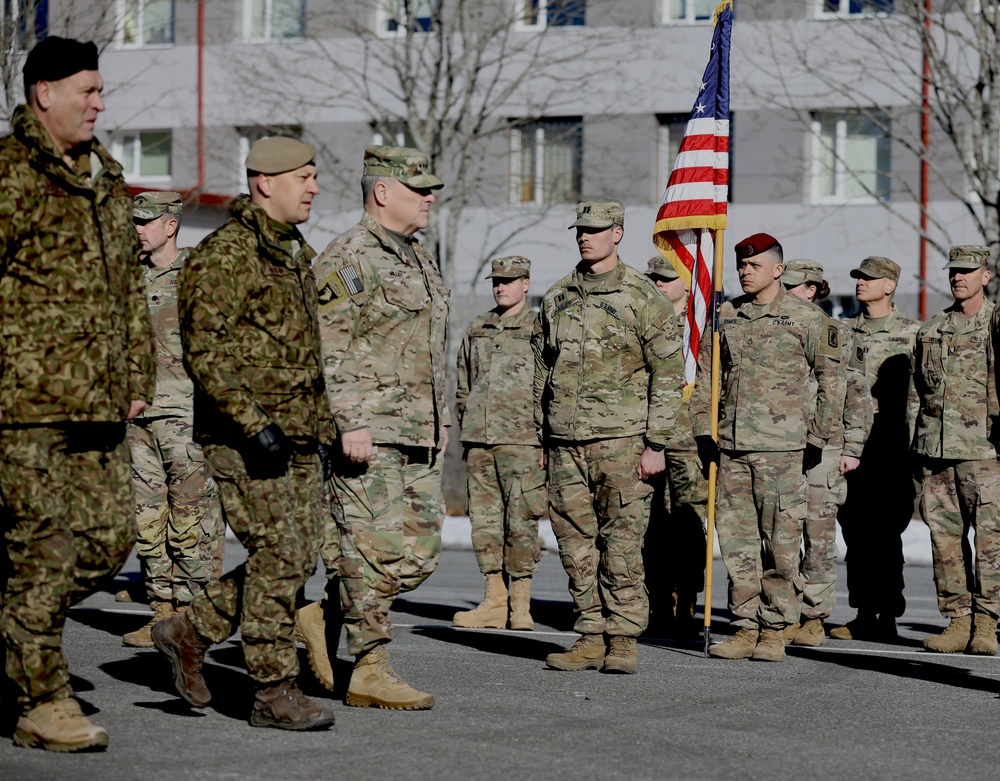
x=656, y=447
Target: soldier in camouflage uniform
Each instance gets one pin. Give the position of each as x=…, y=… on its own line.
x=179, y=522
x=772, y=431
x=76, y=361
x=880, y=493
x=607, y=388
x=383, y=321
x=955, y=440
x=674, y=546
x=247, y=302
x=506, y=485
x=827, y=485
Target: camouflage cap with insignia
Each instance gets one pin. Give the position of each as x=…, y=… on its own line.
x=877, y=267
x=798, y=271
x=599, y=214
x=511, y=267
x=409, y=166
x=968, y=256
x=278, y=154
x=150, y=205
x=659, y=266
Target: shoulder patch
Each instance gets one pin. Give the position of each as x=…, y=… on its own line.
x=832, y=336
x=331, y=290
x=856, y=356
x=830, y=343
x=351, y=279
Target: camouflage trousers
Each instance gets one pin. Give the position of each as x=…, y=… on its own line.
x=673, y=551
x=68, y=523
x=279, y=520
x=760, y=509
x=177, y=509
x=827, y=490
x=389, y=513
x=599, y=511
x=957, y=496
x=506, y=496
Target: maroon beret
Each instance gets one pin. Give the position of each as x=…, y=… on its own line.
x=757, y=244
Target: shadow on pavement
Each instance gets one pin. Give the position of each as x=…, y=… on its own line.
x=502, y=643
x=116, y=624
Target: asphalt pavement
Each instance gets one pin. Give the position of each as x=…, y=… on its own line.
x=847, y=710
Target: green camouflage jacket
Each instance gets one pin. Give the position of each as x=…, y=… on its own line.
x=954, y=374
x=767, y=359
x=859, y=411
x=75, y=340
x=607, y=361
x=383, y=322
x=247, y=302
x=496, y=369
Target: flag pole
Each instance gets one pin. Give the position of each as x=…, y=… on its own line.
x=713, y=468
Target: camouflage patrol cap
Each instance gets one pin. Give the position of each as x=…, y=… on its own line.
x=150, y=205
x=877, y=267
x=659, y=266
x=409, y=166
x=511, y=267
x=798, y=271
x=968, y=256
x=278, y=154
x=599, y=214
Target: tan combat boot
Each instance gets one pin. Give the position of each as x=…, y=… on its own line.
x=770, y=646
x=284, y=706
x=984, y=637
x=739, y=646
x=141, y=637
x=587, y=653
x=954, y=639
x=810, y=633
x=310, y=629
x=374, y=684
x=622, y=655
x=520, y=604
x=491, y=613
x=59, y=725
x=790, y=632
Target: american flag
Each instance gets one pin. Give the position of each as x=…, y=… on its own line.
x=694, y=204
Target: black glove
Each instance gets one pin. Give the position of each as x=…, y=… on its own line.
x=812, y=457
x=269, y=455
x=708, y=453
x=326, y=459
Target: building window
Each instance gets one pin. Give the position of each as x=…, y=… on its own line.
x=19, y=23
x=539, y=14
x=392, y=132
x=145, y=155
x=251, y=135
x=547, y=160
x=854, y=7
x=395, y=17
x=688, y=11
x=274, y=20
x=145, y=23
x=670, y=131
x=850, y=160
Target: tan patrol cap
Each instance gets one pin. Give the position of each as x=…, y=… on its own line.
x=511, y=267
x=278, y=154
x=409, y=166
x=599, y=214
x=798, y=271
x=968, y=256
x=659, y=266
x=150, y=205
x=877, y=267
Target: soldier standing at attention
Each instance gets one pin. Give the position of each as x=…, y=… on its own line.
x=248, y=323
x=506, y=485
x=880, y=492
x=383, y=321
x=674, y=547
x=826, y=484
x=772, y=431
x=76, y=361
x=955, y=440
x=179, y=522
x=607, y=390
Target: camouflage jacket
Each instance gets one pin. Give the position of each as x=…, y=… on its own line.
x=75, y=340
x=767, y=359
x=496, y=369
x=174, y=395
x=683, y=437
x=954, y=374
x=247, y=303
x=889, y=372
x=607, y=360
x=384, y=323
x=851, y=433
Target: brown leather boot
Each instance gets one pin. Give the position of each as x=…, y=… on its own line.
x=491, y=613
x=520, y=605
x=984, y=635
x=141, y=638
x=587, y=653
x=59, y=725
x=177, y=638
x=954, y=639
x=374, y=684
x=739, y=646
x=622, y=655
x=284, y=706
x=770, y=646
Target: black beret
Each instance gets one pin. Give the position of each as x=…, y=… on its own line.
x=57, y=58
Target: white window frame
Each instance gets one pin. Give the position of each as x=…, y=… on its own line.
x=268, y=34
x=543, y=16
x=840, y=174
x=539, y=172
x=845, y=12
x=383, y=16
x=121, y=140
x=690, y=17
x=120, y=27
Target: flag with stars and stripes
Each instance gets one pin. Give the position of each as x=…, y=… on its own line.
x=695, y=201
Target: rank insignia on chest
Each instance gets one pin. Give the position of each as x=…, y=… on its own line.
x=351, y=280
